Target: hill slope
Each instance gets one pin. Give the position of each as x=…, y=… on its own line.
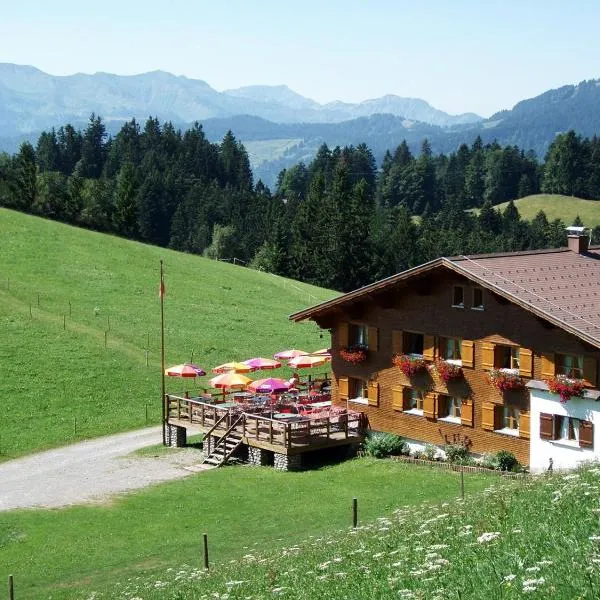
x=89, y=283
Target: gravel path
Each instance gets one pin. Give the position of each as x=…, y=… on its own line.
x=91, y=471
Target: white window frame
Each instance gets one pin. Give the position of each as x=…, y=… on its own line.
x=415, y=395
x=365, y=387
x=450, y=418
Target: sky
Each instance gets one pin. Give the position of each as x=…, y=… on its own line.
x=460, y=55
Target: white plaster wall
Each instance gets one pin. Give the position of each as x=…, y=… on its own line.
x=564, y=456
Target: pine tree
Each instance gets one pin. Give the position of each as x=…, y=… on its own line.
x=125, y=204
x=26, y=185
x=93, y=148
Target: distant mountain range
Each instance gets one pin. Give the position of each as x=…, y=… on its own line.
x=279, y=126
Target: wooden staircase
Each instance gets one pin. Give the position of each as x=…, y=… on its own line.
x=225, y=446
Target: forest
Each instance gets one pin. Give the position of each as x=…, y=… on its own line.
x=341, y=221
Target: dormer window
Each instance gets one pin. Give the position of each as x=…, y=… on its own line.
x=477, y=299
x=458, y=296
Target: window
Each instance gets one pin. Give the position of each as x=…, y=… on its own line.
x=569, y=365
x=477, y=299
x=510, y=417
x=358, y=335
x=450, y=348
x=458, y=296
x=413, y=343
x=415, y=401
x=566, y=429
x=358, y=390
x=450, y=408
x=506, y=357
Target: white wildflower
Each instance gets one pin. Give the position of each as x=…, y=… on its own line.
x=532, y=569
x=508, y=578
x=484, y=538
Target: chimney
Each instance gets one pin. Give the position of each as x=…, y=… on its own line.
x=577, y=239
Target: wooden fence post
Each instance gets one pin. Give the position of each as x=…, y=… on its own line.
x=105, y=338
x=354, y=512
x=462, y=484
x=205, y=539
x=11, y=588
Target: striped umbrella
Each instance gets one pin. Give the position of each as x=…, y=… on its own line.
x=306, y=362
x=185, y=370
x=233, y=367
x=293, y=353
x=260, y=364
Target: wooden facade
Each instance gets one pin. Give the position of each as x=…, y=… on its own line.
x=494, y=333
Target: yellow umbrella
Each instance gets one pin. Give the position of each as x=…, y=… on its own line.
x=306, y=362
x=232, y=367
x=230, y=380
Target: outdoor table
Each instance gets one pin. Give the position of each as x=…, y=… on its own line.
x=242, y=395
x=320, y=404
x=289, y=417
x=226, y=405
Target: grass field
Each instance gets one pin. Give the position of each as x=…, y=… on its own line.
x=558, y=207
x=62, y=289
x=537, y=538
x=70, y=553
x=260, y=151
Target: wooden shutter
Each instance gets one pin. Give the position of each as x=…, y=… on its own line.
x=373, y=339
x=466, y=412
x=398, y=397
x=430, y=405
x=373, y=393
x=524, y=424
x=487, y=416
x=525, y=362
x=546, y=426
x=343, y=335
x=343, y=388
x=428, y=347
x=586, y=434
x=397, y=342
x=487, y=355
x=589, y=371
x=467, y=353
x=548, y=368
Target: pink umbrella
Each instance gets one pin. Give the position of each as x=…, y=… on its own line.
x=185, y=370
x=269, y=385
x=293, y=353
x=259, y=363
x=322, y=352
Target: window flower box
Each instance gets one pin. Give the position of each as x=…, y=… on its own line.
x=448, y=371
x=354, y=354
x=565, y=387
x=506, y=380
x=409, y=365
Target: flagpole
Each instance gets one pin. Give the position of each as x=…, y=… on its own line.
x=161, y=293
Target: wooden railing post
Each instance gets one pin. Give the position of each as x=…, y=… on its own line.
x=270, y=432
x=328, y=427
x=191, y=409
x=202, y=415
x=256, y=424
x=288, y=427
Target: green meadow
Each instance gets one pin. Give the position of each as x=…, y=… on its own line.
x=80, y=326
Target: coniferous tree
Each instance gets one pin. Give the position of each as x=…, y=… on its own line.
x=25, y=181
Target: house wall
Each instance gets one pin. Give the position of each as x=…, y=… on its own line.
x=424, y=305
x=564, y=454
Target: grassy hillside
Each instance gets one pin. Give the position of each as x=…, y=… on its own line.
x=62, y=289
x=72, y=552
x=558, y=207
x=528, y=538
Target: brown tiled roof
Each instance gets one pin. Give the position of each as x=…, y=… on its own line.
x=561, y=286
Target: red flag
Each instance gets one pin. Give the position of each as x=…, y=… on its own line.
x=161, y=290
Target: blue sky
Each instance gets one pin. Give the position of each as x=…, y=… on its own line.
x=459, y=55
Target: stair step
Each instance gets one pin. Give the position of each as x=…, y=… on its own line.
x=212, y=461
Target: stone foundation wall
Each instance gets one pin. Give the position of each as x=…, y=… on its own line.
x=176, y=437
x=286, y=462
x=257, y=456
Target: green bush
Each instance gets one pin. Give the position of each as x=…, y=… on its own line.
x=381, y=445
x=430, y=452
x=489, y=460
x=507, y=461
x=457, y=453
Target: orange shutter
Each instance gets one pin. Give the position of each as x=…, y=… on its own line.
x=524, y=424
x=343, y=335
x=466, y=412
x=373, y=339
x=525, y=362
x=396, y=342
x=373, y=393
x=398, y=397
x=586, y=434
x=467, y=353
x=548, y=368
x=487, y=416
x=343, y=388
x=487, y=355
x=546, y=426
x=428, y=347
x=589, y=371
x=430, y=405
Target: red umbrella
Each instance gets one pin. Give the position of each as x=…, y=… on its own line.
x=269, y=385
x=185, y=370
x=293, y=353
x=260, y=364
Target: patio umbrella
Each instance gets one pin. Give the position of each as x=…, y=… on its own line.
x=230, y=380
x=232, y=367
x=322, y=352
x=269, y=385
x=306, y=362
x=259, y=363
x=293, y=353
x=185, y=370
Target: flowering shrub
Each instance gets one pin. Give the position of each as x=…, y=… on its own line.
x=409, y=365
x=447, y=371
x=505, y=381
x=565, y=387
x=354, y=354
